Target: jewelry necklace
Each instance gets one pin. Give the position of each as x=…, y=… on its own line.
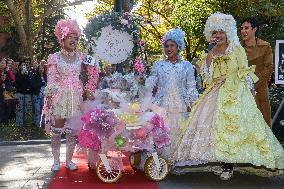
x=67, y=53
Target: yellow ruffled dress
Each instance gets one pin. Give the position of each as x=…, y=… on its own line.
x=225, y=124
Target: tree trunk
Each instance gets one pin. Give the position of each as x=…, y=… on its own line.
x=25, y=32
x=127, y=5
x=28, y=27
x=19, y=27
x=187, y=48
x=118, y=5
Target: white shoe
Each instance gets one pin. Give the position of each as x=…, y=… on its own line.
x=226, y=175
x=71, y=166
x=55, y=166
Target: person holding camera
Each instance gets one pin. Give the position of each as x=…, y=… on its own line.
x=8, y=99
x=23, y=93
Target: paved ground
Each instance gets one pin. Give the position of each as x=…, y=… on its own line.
x=210, y=181
x=25, y=166
x=28, y=167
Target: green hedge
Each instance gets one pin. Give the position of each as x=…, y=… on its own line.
x=11, y=131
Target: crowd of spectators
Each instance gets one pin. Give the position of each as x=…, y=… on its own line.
x=22, y=90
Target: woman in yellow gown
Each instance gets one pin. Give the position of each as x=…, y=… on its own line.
x=225, y=124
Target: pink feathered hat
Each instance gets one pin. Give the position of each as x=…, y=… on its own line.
x=65, y=27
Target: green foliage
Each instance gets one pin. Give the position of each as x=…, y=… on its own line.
x=269, y=13
x=190, y=16
x=11, y=131
x=276, y=96
x=5, y=29
x=119, y=21
x=29, y=17
x=4, y=11
x=95, y=25
x=46, y=41
x=160, y=16
x=12, y=46
x=101, y=8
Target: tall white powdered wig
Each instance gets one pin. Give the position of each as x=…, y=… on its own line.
x=176, y=35
x=222, y=22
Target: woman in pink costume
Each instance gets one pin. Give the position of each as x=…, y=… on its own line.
x=64, y=91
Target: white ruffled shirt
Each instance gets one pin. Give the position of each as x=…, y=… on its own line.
x=176, y=85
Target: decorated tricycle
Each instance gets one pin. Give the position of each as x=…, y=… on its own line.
x=126, y=130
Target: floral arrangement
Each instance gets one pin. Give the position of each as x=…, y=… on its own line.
x=151, y=124
x=123, y=22
x=129, y=114
x=160, y=131
x=138, y=65
x=125, y=82
x=89, y=139
x=102, y=129
x=101, y=121
x=93, y=77
x=120, y=33
x=113, y=46
x=154, y=131
x=99, y=124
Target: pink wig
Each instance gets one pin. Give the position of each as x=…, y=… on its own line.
x=65, y=27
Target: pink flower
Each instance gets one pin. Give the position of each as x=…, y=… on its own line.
x=101, y=122
x=86, y=117
x=160, y=131
x=93, y=77
x=141, y=43
x=64, y=27
x=140, y=133
x=138, y=65
x=89, y=139
x=64, y=31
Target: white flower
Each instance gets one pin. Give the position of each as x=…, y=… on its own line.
x=113, y=46
x=123, y=21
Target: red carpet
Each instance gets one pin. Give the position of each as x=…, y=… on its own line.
x=85, y=179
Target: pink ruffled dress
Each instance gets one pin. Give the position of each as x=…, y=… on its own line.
x=64, y=87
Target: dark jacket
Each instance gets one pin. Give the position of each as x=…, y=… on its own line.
x=22, y=83
x=36, y=83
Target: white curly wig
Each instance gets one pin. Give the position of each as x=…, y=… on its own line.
x=176, y=35
x=222, y=22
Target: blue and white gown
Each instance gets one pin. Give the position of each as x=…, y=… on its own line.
x=176, y=91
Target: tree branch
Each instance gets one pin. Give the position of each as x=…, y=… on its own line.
x=158, y=37
x=157, y=12
x=187, y=47
x=196, y=48
x=52, y=9
x=152, y=25
x=18, y=24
